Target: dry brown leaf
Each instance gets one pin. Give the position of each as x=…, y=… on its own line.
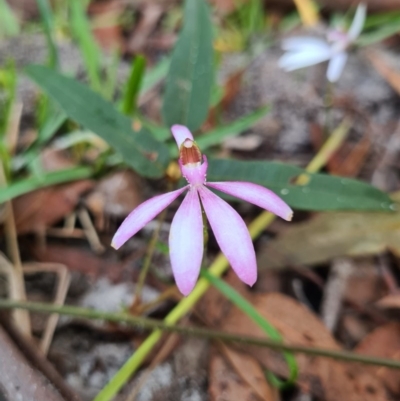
x=106, y=25
x=250, y=371
x=37, y=210
x=384, y=342
x=325, y=378
x=331, y=235
x=83, y=261
x=225, y=384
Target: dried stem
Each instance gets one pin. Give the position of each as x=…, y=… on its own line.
x=149, y=324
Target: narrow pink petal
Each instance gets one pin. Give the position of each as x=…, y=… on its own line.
x=140, y=216
x=186, y=242
x=257, y=195
x=180, y=133
x=231, y=234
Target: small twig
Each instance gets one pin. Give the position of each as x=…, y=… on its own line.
x=63, y=282
x=90, y=231
x=18, y=289
x=150, y=324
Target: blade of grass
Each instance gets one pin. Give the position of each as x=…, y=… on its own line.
x=26, y=185
x=47, y=18
x=247, y=308
x=89, y=49
x=129, y=105
x=9, y=25
x=217, y=268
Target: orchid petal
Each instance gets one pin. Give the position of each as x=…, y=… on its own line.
x=336, y=66
x=294, y=60
x=231, y=234
x=180, y=133
x=143, y=214
x=257, y=195
x=300, y=43
x=186, y=242
x=358, y=22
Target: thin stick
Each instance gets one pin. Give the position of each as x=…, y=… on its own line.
x=17, y=291
x=146, y=323
x=63, y=282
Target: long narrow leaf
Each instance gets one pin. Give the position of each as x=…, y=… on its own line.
x=88, y=46
x=26, y=185
x=48, y=25
x=320, y=192
x=138, y=149
x=189, y=81
x=133, y=85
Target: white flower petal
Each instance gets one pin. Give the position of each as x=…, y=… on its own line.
x=301, y=43
x=336, y=66
x=295, y=60
x=358, y=22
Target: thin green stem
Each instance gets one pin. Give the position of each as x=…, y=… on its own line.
x=149, y=324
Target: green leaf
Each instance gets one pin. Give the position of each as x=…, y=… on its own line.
x=321, y=192
x=47, y=17
x=247, y=308
x=138, y=149
x=380, y=34
x=90, y=51
x=189, y=81
x=9, y=25
x=26, y=185
x=133, y=85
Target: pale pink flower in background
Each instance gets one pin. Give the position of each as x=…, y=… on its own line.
x=186, y=239
x=306, y=51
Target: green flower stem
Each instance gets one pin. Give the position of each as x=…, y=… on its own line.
x=146, y=323
x=217, y=268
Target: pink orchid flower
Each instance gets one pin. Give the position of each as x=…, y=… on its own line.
x=186, y=240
